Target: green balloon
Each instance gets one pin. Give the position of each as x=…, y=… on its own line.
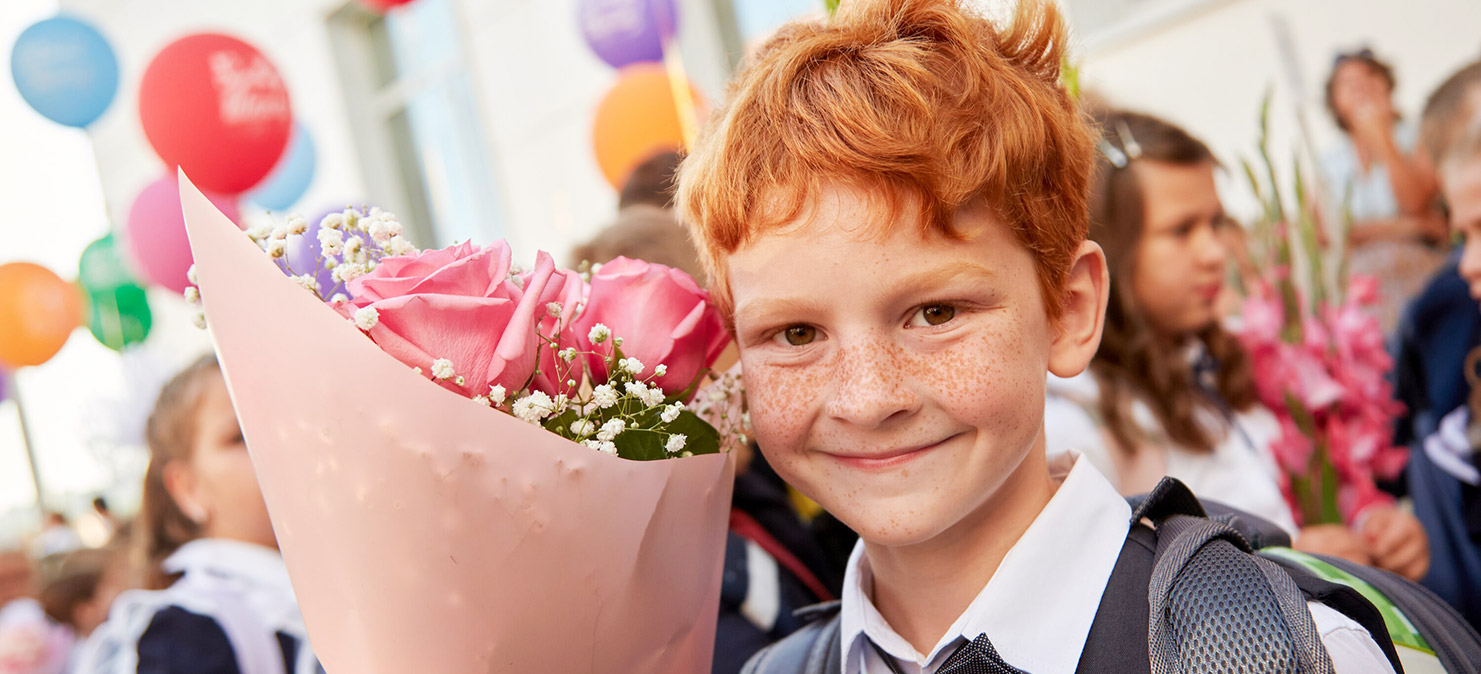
x=118, y=306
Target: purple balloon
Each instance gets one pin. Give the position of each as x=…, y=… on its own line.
x=623, y=32
x=303, y=257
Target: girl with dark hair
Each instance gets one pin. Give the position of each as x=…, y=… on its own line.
x=216, y=597
x=1170, y=392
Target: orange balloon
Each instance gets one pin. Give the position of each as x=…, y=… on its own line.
x=38, y=311
x=637, y=119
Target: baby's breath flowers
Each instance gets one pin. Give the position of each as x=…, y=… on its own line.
x=628, y=415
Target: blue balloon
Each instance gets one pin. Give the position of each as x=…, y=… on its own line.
x=65, y=69
x=290, y=178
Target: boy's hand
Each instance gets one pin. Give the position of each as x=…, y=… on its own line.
x=1396, y=541
x=1333, y=540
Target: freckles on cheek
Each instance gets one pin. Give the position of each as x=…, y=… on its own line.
x=988, y=379
x=779, y=400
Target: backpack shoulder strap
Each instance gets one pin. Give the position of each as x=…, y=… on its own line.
x=1211, y=601
x=1414, y=616
x=814, y=649
x=1346, y=599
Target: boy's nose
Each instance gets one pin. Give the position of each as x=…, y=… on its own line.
x=872, y=386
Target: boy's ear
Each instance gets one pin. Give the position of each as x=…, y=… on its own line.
x=184, y=489
x=1078, y=330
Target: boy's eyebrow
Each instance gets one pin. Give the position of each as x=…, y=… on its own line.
x=789, y=306
x=940, y=276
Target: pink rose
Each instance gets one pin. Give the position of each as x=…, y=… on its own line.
x=570, y=297
x=459, y=304
x=662, y=316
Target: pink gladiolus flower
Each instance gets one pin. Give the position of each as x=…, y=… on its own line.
x=662, y=316
x=1262, y=317
x=1362, y=290
x=459, y=304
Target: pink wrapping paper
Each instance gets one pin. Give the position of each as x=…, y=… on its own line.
x=426, y=533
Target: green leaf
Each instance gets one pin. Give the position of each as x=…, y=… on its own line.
x=642, y=444
x=832, y=6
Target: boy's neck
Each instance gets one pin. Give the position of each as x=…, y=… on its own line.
x=922, y=589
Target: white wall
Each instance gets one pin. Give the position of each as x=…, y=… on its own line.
x=1208, y=64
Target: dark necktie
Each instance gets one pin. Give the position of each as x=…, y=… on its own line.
x=974, y=657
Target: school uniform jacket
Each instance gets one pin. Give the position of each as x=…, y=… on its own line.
x=232, y=612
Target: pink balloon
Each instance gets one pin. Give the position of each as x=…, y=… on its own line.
x=155, y=233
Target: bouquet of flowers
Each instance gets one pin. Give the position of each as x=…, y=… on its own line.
x=489, y=497
x=1319, y=358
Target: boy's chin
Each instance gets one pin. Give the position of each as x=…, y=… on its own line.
x=899, y=524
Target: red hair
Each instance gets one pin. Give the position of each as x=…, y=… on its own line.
x=924, y=101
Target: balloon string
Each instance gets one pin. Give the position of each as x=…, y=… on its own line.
x=683, y=96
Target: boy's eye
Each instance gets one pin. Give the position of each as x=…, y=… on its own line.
x=932, y=315
x=800, y=335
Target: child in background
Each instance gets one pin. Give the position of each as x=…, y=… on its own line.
x=217, y=598
x=1170, y=392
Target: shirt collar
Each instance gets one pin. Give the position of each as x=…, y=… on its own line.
x=231, y=560
x=1038, y=607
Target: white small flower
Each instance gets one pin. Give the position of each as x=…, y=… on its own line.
x=296, y=224
x=559, y=404
x=596, y=267
x=307, y=282
x=379, y=230
x=417, y=370
x=633, y=366
x=339, y=297
x=259, y=232
x=332, y=221
x=483, y=400
x=553, y=309
x=497, y=394
x=352, y=244
x=199, y=319
x=376, y=212
x=685, y=454
x=351, y=219
x=279, y=233
x=571, y=383
x=276, y=248
x=533, y=407
x=583, y=427
x=605, y=447
x=611, y=429
x=568, y=354
x=190, y=276
x=676, y=443
x=192, y=294
x=399, y=246
x=660, y=370
x=517, y=280
x=637, y=389
x=349, y=271
x=515, y=269
x=617, y=341
x=366, y=318
x=719, y=395
x=460, y=381
x=654, y=397
x=672, y=412
x=442, y=368
x=599, y=333
x=604, y=396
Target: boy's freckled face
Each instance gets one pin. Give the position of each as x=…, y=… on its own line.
x=896, y=379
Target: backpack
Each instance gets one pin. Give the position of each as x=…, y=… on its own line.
x=1201, y=560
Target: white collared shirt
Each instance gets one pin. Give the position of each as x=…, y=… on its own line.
x=1038, y=607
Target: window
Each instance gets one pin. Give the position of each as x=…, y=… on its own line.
x=413, y=110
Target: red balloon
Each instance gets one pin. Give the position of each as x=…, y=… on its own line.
x=215, y=106
x=155, y=233
x=384, y=6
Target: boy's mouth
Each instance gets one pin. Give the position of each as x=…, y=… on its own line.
x=892, y=458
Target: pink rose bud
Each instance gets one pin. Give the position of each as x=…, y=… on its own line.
x=458, y=304
x=662, y=317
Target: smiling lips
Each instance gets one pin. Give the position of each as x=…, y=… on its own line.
x=887, y=459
